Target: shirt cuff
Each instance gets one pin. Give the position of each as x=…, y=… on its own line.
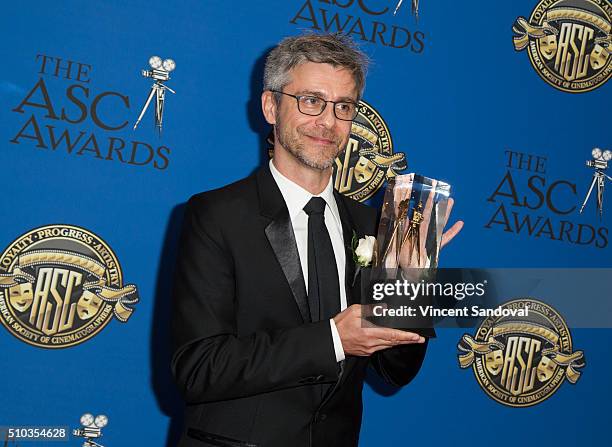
x=337, y=342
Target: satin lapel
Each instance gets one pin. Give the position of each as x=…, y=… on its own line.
x=282, y=240
x=281, y=237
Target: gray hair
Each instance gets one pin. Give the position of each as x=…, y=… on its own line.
x=336, y=49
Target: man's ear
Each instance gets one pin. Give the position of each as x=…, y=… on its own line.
x=268, y=106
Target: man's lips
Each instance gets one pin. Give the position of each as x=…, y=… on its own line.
x=321, y=140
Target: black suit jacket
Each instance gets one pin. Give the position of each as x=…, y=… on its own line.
x=252, y=367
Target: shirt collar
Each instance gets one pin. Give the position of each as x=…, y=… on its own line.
x=297, y=197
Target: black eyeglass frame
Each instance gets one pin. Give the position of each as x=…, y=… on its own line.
x=298, y=97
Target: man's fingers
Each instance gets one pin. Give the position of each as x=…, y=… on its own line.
x=380, y=343
x=451, y=233
x=449, y=209
x=393, y=335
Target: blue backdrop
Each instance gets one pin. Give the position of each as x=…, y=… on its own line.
x=455, y=100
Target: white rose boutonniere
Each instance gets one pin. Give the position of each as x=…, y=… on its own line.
x=363, y=250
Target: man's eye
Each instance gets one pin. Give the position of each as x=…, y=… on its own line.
x=345, y=107
x=310, y=100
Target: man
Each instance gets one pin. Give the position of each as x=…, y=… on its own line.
x=269, y=344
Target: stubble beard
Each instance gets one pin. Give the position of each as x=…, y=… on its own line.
x=291, y=142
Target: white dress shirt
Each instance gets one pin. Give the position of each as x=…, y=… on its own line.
x=296, y=199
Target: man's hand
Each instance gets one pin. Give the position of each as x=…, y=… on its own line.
x=362, y=338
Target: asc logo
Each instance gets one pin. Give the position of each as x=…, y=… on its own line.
x=60, y=285
x=522, y=361
x=368, y=160
x=569, y=42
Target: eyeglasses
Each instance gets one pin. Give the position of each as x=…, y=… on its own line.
x=314, y=106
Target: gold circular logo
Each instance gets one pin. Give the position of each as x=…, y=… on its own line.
x=521, y=361
x=60, y=285
x=569, y=42
x=368, y=160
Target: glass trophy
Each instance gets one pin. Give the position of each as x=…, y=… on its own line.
x=413, y=217
x=414, y=213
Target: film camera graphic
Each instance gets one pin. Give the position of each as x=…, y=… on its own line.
x=599, y=163
x=160, y=73
x=91, y=429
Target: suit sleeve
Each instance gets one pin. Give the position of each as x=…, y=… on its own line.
x=210, y=361
x=400, y=364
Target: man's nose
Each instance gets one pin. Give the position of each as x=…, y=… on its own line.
x=327, y=117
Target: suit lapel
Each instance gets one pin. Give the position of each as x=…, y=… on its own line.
x=281, y=237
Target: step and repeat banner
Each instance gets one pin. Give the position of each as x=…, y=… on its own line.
x=114, y=113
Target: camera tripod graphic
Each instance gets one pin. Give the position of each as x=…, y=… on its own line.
x=600, y=164
x=415, y=7
x=160, y=74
